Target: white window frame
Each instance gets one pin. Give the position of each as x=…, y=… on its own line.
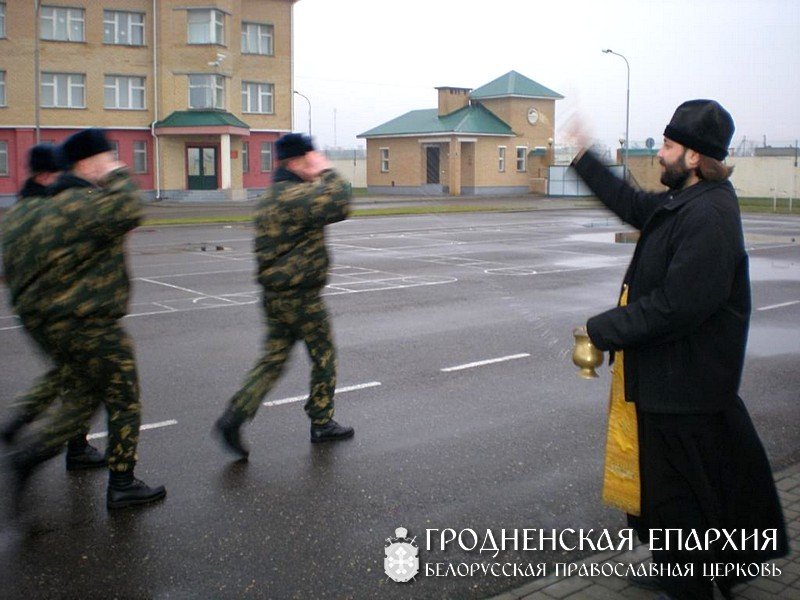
x=3, y=88
x=501, y=159
x=266, y=151
x=123, y=29
x=384, y=156
x=50, y=16
x=64, y=88
x=245, y=157
x=3, y=158
x=522, y=160
x=215, y=90
x=213, y=21
x=139, y=156
x=2, y=19
x=123, y=85
x=263, y=34
x=258, y=97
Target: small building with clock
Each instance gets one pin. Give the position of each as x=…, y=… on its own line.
x=495, y=139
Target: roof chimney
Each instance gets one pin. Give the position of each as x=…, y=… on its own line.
x=452, y=98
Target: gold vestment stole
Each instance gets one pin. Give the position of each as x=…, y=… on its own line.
x=621, y=485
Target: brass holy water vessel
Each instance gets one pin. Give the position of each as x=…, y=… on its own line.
x=585, y=355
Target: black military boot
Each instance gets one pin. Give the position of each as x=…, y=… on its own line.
x=21, y=465
x=10, y=429
x=227, y=430
x=82, y=455
x=125, y=490
x=330, y=432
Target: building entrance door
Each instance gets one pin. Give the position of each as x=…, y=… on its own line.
x=201, y=168
x=432, y=165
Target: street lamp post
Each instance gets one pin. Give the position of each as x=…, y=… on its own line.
x=36, y=71
x=309, y=109
x=627, y=112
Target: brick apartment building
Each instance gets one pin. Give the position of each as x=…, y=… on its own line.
x=193, y=93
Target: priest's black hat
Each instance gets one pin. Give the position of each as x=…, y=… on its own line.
x=702, y=125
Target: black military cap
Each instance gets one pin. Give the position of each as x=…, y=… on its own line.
x=44, y=158
x=293, y=144
x=84, y=144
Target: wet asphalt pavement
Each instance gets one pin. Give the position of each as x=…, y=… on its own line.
x=440, y=442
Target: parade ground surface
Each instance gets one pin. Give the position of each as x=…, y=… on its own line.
x=454, y=338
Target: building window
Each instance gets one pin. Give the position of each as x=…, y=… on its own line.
x=206, y=91
x=501, y=159
x=124, y=92
x=522, y=159
x=2, y=88
x=61, y=24
x=2, y=19
x=245, y=157
x=256, y=38
x=3, y=158
x=63, y=90
x=384, y=160
x=140, y=156
x=266, y=157
x=126, y=28
x=114, y=148
x=257, y=97
x=206, y=26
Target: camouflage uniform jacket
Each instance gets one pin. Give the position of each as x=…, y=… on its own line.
x=290, y=230
x=63, y=255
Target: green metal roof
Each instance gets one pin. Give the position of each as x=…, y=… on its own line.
x=201, y=118
x=513, y=84
x=474, y=119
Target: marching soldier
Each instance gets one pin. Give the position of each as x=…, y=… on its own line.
x=65, y=268
x=44, y=165
x=290, y=219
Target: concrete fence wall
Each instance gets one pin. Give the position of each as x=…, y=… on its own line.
x=765, y=176
x=352, y=169
x=753, y=177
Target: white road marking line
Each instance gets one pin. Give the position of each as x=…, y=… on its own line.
x=349, y=388
x=481, y=363
x=776, y=247
x=226, y=271
x=183, y=289
x=102, y=434
x=781, y=305
x=164, y=306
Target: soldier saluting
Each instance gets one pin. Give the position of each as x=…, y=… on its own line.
x=65, y=268
x=290, y=220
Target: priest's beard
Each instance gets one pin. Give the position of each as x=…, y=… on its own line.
x=675, y=174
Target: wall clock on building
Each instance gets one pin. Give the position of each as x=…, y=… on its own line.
x=533, y=115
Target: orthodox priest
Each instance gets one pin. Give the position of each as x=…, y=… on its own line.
x=678, y=336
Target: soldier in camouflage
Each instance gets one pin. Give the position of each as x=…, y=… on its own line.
x=290, y=220
x=65, y=268
x=44, y=165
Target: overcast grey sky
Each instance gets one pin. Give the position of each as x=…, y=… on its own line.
x=368, y=61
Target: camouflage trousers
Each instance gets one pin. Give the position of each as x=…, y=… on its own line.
x=48, y=388
x=95, y=366
x=291, y=318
